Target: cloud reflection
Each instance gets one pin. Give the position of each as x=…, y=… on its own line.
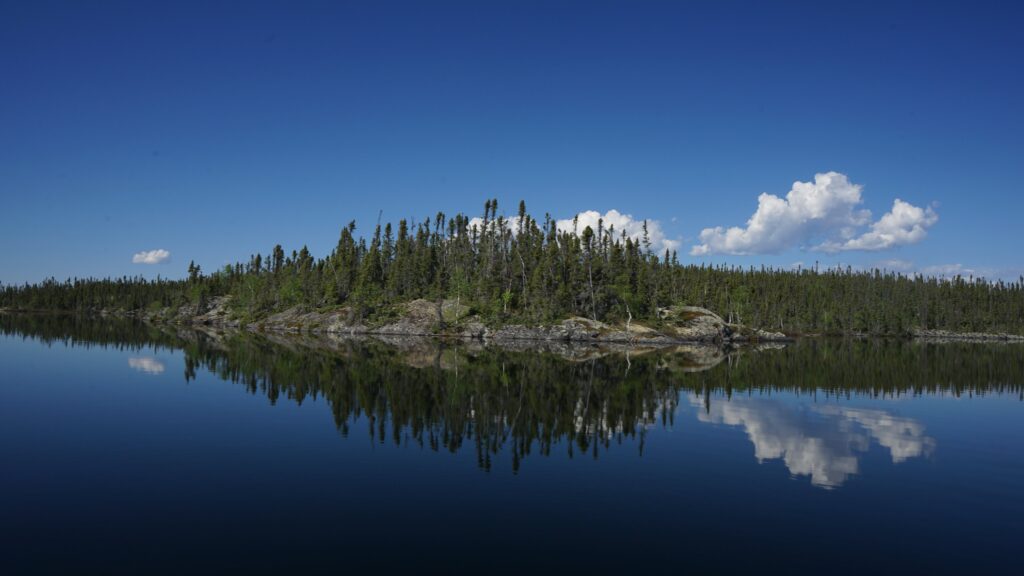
x=147, y=365
x=823, y=442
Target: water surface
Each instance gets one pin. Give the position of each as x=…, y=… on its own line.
x=127, y=449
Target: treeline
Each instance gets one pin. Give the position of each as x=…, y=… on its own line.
x=524, y=270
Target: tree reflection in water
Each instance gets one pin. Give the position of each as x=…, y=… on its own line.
x=517, y=402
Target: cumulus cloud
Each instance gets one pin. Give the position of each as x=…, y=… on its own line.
x=151, y=256
x=904, y=224
x=510, y=223
x=633, y=227
x=825, y=215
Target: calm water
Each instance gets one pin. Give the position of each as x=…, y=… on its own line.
x=130, y=450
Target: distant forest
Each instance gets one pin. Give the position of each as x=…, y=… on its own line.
x=528, y=271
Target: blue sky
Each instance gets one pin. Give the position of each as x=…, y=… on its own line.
x=216, y=130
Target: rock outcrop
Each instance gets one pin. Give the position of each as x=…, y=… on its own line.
x=945, y=335
x=676, y=325
x=695, y=324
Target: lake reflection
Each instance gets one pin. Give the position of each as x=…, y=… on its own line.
x=261, y=453
x=506, y=403
x=822, y=442
x=147, y=365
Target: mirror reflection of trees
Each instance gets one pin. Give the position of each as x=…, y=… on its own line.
x=74, y=330
x=456, y=395
x=445, y=398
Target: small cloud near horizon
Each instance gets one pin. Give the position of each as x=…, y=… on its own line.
x=950, y=270
x=895, y=265
x=158, y=256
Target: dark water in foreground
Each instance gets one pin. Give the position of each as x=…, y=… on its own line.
x=129, y=450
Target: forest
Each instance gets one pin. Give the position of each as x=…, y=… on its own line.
x=528, y=271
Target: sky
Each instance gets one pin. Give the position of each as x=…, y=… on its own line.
x=136, y=137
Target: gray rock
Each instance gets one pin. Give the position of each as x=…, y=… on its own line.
x=945, y=335
x=679, y=324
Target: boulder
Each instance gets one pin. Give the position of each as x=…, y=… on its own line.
x=419, y=317
x=694, y=324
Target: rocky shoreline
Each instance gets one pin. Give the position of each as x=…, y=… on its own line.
x=946, y=335
x=678, y=325
x=424, y=351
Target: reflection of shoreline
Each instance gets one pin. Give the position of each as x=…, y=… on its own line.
x=456, y=394
x=148, y=365
x=823, y=442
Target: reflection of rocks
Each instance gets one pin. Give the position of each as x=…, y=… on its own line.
x=820, y=442
x=147, y=365
x=694, y=358
x=429, y=351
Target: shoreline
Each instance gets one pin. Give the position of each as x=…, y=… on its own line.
x=704, y=328
x=683, y=325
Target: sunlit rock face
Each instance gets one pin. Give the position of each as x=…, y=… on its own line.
x=823, y=442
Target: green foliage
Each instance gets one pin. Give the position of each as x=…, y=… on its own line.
x=532, y=272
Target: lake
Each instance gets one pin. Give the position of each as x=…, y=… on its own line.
x=132, y=449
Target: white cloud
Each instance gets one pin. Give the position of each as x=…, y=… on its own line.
x=147, y=365
x=904, y=224
x=151, y=257
x=633, y=227
x=947, y=270
x=895, y=265
x=904, y=437
x=826, y=214
x=950, y=271
x=823, y=442
x=510, y=223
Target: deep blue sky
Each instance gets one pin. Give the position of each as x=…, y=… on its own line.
x=215, y=130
